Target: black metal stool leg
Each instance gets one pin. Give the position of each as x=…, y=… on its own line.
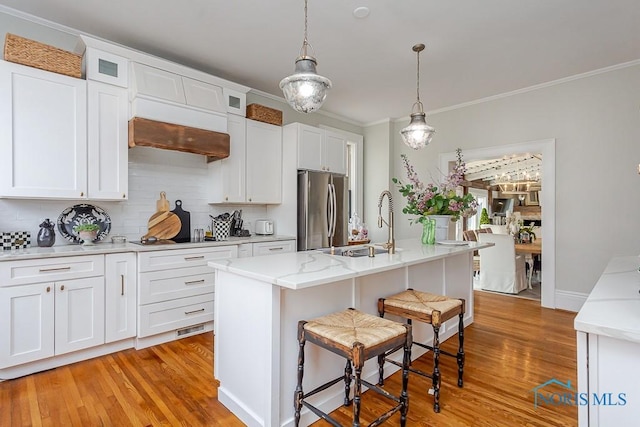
x=460, y=355
x=299, y=394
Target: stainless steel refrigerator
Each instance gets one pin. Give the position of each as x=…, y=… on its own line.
x=323, y=211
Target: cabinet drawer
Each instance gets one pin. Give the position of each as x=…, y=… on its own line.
x=157, y=286
x=181, y=258
x=171, y=315
x=50, y=269
x=271, y=248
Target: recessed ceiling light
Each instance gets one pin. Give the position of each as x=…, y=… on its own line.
x=361, y=12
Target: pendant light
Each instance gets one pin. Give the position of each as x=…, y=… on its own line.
x=418, y=134
x=305, y=90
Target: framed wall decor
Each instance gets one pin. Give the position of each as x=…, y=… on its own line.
x=532, y=199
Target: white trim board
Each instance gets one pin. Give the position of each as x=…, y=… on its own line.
x=548, y=200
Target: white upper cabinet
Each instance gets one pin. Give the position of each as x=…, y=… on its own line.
x=310, y=147
x=203, y=95
x=172, y=87
x=264, y=163
x=108, y=147
x=229, y=175
x=106, y=67
x=253, y=171
x=157, y=83
x=235, y=101
x=334, y=154
x=43, y=117
x=321, y=150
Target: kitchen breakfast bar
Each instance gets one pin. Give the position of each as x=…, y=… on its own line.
x=259, y=301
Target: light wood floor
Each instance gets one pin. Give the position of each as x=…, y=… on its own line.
x=513, y=346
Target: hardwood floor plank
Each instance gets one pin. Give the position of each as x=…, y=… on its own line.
x=513, y=346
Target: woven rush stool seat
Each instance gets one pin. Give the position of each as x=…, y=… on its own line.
x=432, y=309
x=357, y=337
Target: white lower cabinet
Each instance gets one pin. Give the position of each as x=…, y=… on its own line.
x=49, y=319
x=79, y=314
x=120, y=296
x=176, y=293
x=26, y=323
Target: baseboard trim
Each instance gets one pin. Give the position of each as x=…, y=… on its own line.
x=570, y=301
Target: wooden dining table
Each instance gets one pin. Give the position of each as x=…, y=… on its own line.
x=534, y=248
x=529, y=250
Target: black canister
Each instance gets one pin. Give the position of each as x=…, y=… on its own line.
x=47, y=234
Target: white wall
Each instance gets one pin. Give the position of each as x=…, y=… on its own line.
x=377, y=171
x=595, y=122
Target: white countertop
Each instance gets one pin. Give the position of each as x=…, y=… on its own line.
x=108, y=247
x=311, y=268
x=613, y=306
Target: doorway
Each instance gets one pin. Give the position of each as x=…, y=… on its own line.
x=547, y=201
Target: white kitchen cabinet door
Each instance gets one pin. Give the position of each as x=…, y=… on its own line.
x=43, y=118
x=335, y=153
x=79, y=314
x=120, y=296
x=264, y=163
x=204, y=95
x=228, y=175
x=26, y=323
x=310, y=147
x=108, y=158
x=157, y=83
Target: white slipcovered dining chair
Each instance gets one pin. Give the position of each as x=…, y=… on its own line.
x=501, y=270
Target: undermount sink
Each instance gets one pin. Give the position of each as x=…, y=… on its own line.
x=353, y=251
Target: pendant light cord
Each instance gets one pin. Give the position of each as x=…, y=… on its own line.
x=305, y=42
x=417, y=78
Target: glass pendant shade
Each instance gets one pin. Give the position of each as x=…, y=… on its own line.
x=418, y=134
x=305, y=90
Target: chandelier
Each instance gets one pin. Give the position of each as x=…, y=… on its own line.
x=418, y=134
x=305, y=90
x=518, y=183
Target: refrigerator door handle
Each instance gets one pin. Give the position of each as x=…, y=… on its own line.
x=329, y=212
x=334, y=211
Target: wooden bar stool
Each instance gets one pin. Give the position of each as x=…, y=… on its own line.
x=432, y=309
x=357, y=337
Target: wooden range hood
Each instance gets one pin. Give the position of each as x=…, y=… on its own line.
x=169, y=136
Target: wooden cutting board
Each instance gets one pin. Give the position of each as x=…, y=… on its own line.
x=163, y=224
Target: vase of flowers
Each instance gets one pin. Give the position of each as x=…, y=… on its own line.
x=432, y=201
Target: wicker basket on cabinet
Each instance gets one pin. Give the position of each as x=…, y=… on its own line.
x=43, y=56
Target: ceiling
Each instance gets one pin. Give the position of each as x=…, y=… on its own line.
x=525, y=168
x=475, y=48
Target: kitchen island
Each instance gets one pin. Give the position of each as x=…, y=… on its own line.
x=260, y=300
x=608, y=334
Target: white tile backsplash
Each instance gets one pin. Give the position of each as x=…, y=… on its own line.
x=181, y=176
